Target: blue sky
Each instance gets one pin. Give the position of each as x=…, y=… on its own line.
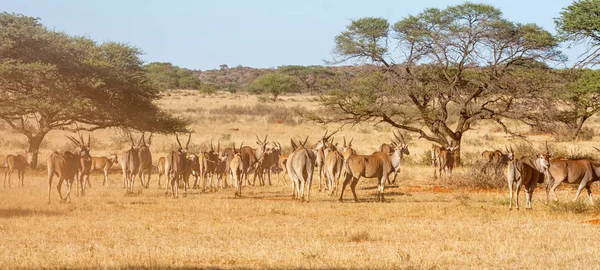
x=260, y=33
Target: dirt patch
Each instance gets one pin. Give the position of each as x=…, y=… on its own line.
x=440, y=189
x=592, y=221
x=486, y=191
x=432, y=189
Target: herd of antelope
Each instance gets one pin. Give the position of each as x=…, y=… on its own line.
x=210, y=169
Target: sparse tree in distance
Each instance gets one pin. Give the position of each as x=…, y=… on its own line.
x=168, y=76
x=52, y=81
x=275, y=84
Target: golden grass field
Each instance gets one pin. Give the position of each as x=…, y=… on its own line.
x=425, y=223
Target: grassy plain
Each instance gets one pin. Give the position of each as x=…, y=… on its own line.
x=426, y=222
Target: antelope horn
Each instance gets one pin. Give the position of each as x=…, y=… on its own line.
x=294, y=145
x=305, y=140
x=150, y=139
x=265, y=141
x=401, y=137
x=350, y=143
x=73, y=140
x=211, y=145
x=131, y=138
x=81, y=138
x=218, y=146
x=89, y=140
x=547, y=151
x=178, y=142
x=344, y=141
x=188, y=142
x=141, y=139
x=233, y=144
x=241, y=145
x=597, y=149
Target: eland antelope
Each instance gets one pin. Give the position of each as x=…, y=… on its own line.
x=389, y=149
x=237, y=168
x=209, y=161
x=496, y=158
x=104, y=164
x=251, y=156
x=130, y=165
x=334, y=165
x=300, y=166
x=160, y=165
x=145, y=157
x=446, y=160
x=175, y=166
x=582, y=172
x=269, y=160
x=65, y=167
x=18, y=163
x=226, y=157
x=320, y=157
x=526, y=172
x=85, y=162
x=377, y=165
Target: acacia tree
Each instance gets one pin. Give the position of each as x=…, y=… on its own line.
x=576, y=100
x=274, y=83
x=580, y=96
x=313, y=78
x=580, y=23
x=53, y=81
x=452, y=68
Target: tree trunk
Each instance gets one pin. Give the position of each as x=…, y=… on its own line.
x=578, y=125
x=35, y=140
x=456, y=143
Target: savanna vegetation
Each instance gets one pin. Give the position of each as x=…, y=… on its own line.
x=469, y=77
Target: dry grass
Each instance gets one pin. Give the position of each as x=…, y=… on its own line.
x=426, y=223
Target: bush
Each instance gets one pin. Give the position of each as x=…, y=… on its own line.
x=477, y=176
x=207, y=88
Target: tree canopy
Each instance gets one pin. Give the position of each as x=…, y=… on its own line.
x=168, y=76
x=440, y=71
x=274, y=83
x=580, y=23
x=52, y=81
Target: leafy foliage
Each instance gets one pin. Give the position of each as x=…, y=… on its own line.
x=167, y=76
x=455, y=67
x=275, y=84
x=580, y=22
x=50, y=80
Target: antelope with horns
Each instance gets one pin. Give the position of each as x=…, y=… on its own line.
x=300, y=166
x=175, y=166
x=251, y=156
x=527, y=172
x=396, y=161
x=145, y=157
x=130, y=165
x=236, y=168
x=85, y=161
x=377, y=165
